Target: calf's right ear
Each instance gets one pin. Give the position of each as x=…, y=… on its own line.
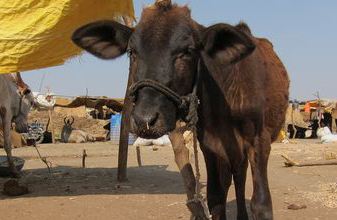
x=104, y=39
x=226, y=43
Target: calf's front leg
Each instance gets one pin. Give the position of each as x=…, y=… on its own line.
x=258, y=154
x=181, y=154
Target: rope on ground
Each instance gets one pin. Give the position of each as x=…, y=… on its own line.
x=44, y=159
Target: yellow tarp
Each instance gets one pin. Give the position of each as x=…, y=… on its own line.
x=36, y=34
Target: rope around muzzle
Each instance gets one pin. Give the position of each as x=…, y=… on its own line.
x=183, y=103
x=188, y=106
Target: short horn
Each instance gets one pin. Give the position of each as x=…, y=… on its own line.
x=163, y=2
x=64, y=120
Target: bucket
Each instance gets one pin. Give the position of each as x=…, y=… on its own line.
x=115, y=130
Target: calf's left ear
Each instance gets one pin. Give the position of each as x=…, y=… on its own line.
x=226, y=43
x=104, y=39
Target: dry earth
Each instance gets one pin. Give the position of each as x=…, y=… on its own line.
x=155, y=191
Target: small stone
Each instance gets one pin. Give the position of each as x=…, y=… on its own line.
x=296, y=207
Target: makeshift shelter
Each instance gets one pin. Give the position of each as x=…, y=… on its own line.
x=294, y=117
x=37, y=34
x=324, y=105
x=101, y=104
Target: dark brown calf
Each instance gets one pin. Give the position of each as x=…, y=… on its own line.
x=241, y=84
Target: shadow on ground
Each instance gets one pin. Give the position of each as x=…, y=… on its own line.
x=74, y=181
x=67, y=181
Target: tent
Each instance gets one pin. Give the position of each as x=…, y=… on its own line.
x=37, y=34
x=294, y=117
x=325, y=104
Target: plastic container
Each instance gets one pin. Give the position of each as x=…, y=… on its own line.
x=4, y=168
x=115, y=130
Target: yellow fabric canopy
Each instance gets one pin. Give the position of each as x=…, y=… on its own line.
x=36, y=34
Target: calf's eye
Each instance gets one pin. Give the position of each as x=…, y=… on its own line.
x=187, y=53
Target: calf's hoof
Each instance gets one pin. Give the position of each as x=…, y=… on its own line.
x=262, y=213
x=216, y=212
x=197, y=211
x=198, y=218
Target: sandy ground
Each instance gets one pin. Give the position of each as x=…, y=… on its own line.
x=155, y=191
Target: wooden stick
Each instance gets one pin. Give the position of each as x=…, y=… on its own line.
x=51, y=126
x=124, y=132
x=83, y=158
x=139, y=160
x=290, y=163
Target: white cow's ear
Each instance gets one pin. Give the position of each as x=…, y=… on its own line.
x=104, y=39
x=226, y=43
x=24, y=91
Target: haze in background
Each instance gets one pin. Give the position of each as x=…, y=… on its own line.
x=303, y=33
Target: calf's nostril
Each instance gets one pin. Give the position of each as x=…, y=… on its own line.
x=152, y=120
x=145, y=121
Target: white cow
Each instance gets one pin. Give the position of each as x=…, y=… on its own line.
x=16, y=99
x=73, y=135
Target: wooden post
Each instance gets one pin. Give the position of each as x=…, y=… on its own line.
x=124, y=134
x=139, y=158
x=84, y=155
x=51, y=126
x=319, y=109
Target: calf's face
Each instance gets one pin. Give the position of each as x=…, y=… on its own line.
x=166, y=46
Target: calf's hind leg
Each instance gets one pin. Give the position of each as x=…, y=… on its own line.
x=258, y=154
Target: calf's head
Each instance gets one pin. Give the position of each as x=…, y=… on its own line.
x=165, y=46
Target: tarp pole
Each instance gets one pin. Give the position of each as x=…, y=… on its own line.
x=124, y=134
x=51, y=124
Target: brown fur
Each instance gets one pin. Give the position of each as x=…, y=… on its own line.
x=156, y=23
x=242, y=111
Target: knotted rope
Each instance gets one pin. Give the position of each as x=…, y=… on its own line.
x=183, y=103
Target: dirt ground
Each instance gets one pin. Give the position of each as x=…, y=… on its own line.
x=155, y=191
